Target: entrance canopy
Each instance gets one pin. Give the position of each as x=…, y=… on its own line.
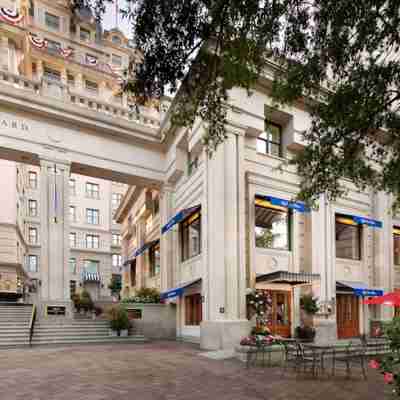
x=358, y=288
x=291, y=278
x=90, y=276
x=178, y=291
x=179, y=217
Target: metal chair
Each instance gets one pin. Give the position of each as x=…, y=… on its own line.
x=350, y=355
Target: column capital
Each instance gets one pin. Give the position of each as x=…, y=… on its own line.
x=48, y=162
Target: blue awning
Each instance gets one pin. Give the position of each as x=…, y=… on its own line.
x=294, y=205
x=178, y=291
x=179, y=218
x=141, y=250
x=358, y=288
x=367, y=221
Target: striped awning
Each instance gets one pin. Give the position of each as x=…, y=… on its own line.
x=291, y=278
x=90, y=276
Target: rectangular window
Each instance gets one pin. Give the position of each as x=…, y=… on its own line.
x=92, y=216
x=84, y=34
x=32, y=208
x=133, y=273
x=192, y=163
x=92, y=190
x=270, y=141
x=72, y=288
x=116, y=60
x=71, y=80
x=92, y=241
x=72, y=213
x=116, y=260
x=72, y=187
x=154, y=256
x=272, y=225
x=396, y=245
x=191, y=236
x=33, y=181
x=348, y=237
x=92, y=87
x=52, y=75
x=72, y=265
x=116, y=200
x=33, y=235
x=72, y=239
x=52, y=21
x=193, y=310
x=116, y=239
x=32, y=263
x=156, y=204
x=53, y=47
x=91, y=266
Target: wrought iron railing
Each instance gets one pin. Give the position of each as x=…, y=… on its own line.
x=32, y=324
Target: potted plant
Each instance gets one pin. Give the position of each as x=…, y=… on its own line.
x=309, y=304
x=86, y=302
x=119, y=322
x=115, y=286
x=76, y=299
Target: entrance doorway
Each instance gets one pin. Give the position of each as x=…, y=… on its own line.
x=347, y=316
x=278, y=314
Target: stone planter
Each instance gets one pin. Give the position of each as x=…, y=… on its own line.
x=111, y=332
x=124, y=332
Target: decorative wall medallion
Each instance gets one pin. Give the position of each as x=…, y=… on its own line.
x=347, y=270
x=274, y=263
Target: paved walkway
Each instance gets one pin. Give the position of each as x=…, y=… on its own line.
x=159, y=371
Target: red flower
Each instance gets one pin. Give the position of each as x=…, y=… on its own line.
x=388, y=377
x=373, y=364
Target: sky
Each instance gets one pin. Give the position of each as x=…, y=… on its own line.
x=110, y=21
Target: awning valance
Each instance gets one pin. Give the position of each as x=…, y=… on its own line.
x=358, y=288
x=291, y=278
x=357, y=220
x=141, y=250
x=179, y=217
x=276, y=201
x=178, y=291
x=90, y=276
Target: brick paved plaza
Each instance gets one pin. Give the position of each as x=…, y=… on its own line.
x=158, y=370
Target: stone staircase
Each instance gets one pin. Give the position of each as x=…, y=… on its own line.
x=63, y=331
x=14, y=324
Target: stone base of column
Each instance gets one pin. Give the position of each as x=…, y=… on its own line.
x=46, y=308
x=326, y=330
x=223, y=335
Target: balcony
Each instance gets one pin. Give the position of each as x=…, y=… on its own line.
x=56, y=90
x=81, y=245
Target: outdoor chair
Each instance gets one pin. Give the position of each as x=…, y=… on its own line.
x=352, y=355
x=255, y=351
x=291, y=356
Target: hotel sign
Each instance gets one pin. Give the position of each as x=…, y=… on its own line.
x=6, y=123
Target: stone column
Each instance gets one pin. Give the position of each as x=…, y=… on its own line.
x=39, y=69
x=166, y=240
x=383, y=262
x=323, y=263
x=54, y=222
x=224, y=278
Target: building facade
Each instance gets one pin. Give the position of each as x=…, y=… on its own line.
x=68, y=54
x=228, y=224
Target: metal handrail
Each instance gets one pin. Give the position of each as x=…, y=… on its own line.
x=32, y=324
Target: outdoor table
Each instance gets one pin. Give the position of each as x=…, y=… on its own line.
x=323, y=349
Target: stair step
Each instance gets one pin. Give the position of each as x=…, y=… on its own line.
x=83, y=340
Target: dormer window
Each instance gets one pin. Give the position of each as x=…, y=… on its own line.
x=52, y=21
x=116, y=40
x=84, y=35
x=270, y=141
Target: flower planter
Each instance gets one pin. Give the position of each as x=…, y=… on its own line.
x=111, y=332
x=124, y=332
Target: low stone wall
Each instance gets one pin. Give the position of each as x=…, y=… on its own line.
x=154, y=321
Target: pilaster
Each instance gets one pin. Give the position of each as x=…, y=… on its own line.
x=54, y=218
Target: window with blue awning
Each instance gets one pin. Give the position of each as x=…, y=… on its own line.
x=278, y=202
x=179, y=217
x=141, y=250
x=178, y=290
x=358, y=288
x=358, y=220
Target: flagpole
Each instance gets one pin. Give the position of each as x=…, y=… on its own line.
x=116, y=13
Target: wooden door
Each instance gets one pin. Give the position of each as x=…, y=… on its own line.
x=347, y=316
x=279, y=315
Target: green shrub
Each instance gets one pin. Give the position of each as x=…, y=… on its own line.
x=309, y=304
x=144, y=295
x=86, y=302
x=118, y=317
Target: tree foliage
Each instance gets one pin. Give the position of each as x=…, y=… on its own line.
x=339, y=58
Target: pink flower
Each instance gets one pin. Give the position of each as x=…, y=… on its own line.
x=373, y=364
x=388, y=377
